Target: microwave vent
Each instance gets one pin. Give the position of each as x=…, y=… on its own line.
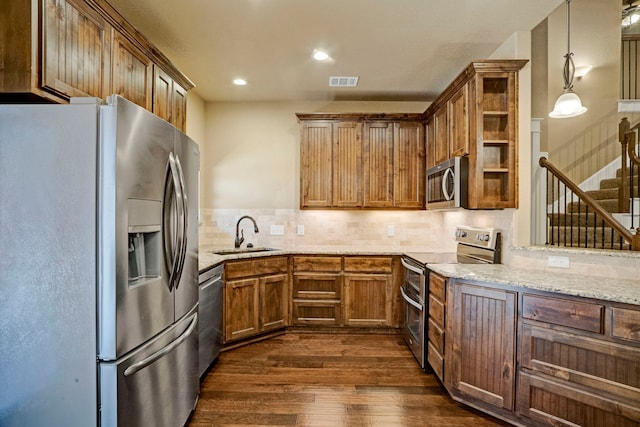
x=335, y=81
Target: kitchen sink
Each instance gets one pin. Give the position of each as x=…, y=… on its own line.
x=242, y=250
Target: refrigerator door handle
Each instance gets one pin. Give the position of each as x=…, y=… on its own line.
x=137, y=367
x=173, y=244
x=183, y=222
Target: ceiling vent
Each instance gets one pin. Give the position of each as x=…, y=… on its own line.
x=343, y=81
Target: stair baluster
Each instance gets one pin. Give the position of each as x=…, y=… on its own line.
x=566, y=224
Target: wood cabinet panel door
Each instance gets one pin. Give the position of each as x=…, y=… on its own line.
x=241, y=309
x=441, y=135
x=480, y=356
x=131, y=73
x=430, y=142
x=347, y=164
x=315, y=164
x=378, y=164
x=459, y=123
x=408, y=165
x=273, y=302
x=179, y=107
x=162, y=94
x=76, y=47
x=368, y=299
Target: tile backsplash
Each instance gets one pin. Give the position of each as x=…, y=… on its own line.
x=406, y=231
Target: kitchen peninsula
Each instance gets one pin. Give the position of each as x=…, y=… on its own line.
x=518, y=341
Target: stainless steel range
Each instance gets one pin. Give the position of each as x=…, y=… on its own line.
x=475, y=246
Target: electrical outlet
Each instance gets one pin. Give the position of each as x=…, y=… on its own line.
x=276, y=230
x=558, y=261
x=300, y=230
x=391, y=231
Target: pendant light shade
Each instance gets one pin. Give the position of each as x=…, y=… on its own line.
x=568, y=103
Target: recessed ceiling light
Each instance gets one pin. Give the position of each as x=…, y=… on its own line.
x=320, y=55
x=239, y=82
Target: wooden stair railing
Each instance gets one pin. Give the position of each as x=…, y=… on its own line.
x=627, y=136
x=605, y=218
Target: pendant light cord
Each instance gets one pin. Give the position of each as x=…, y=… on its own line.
x=569, y=67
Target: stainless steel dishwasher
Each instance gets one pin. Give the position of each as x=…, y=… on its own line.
x=210, y=313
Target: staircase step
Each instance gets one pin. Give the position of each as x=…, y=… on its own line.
x=610, y=205
x=594, y=237
x=575, y=219
x=607, y=193
x=615, y=183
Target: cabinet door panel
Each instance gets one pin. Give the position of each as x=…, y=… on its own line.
x=408, y=165
x=315, y=164
x=179, y=107
x=482, y=359
x=76, y=50
x=368, y=300
x=132, y=73
x=241, y=309
x=347, y=164
x=162, y=94
x=273, y=302
x=459, y=123
x=441, y=135
x=378, y=164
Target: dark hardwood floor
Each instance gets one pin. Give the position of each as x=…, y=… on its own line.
x=313, y=379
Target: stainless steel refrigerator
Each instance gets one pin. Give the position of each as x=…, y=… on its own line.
x=98, y=266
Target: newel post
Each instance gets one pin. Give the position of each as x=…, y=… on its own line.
x=624, y=132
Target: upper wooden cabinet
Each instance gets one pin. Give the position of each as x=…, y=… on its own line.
x=477, y=116
x=132, y=73
x=52, y=50
x=76, y=48
x=362, y=161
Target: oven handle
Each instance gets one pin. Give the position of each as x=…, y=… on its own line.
x=409, y=300
x=411, y=267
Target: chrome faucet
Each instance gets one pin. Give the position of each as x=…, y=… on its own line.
x=240, y=237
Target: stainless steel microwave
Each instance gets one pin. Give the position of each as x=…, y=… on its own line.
x=447, y=184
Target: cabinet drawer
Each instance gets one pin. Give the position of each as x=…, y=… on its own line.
x=436, y=336
x=256, y=267
x=367, y=264
x=436, y=361
x=309, y=312
x=436, y=311
x=317, y=263
x=564, y=312
x=437, y=286
x=625, y=324
x=317, y=286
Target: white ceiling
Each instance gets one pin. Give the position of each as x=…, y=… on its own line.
x=406, y=50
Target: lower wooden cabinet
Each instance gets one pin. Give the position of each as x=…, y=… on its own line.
x=368, y=291
x=573, y=369
x=436, y=323
x=317, y=290
x=480, y=355
x=256, y=297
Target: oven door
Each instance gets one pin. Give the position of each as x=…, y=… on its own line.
x=413, y=325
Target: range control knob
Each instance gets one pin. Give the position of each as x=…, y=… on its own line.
x=461, y=233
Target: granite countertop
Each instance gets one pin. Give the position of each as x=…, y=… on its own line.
x=603, y=288
x=207, y=257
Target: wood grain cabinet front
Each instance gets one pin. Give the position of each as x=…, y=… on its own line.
x=480, y=356
x=317, y=290
x=256, y=297
x=436, y=321
x=53, y=50
x=357, y=161
x=368, y=287
x=578, y=363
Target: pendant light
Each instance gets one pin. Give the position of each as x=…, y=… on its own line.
x=568, y=104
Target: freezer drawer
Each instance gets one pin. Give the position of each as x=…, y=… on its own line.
x=156, y=384
x=210, y=313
